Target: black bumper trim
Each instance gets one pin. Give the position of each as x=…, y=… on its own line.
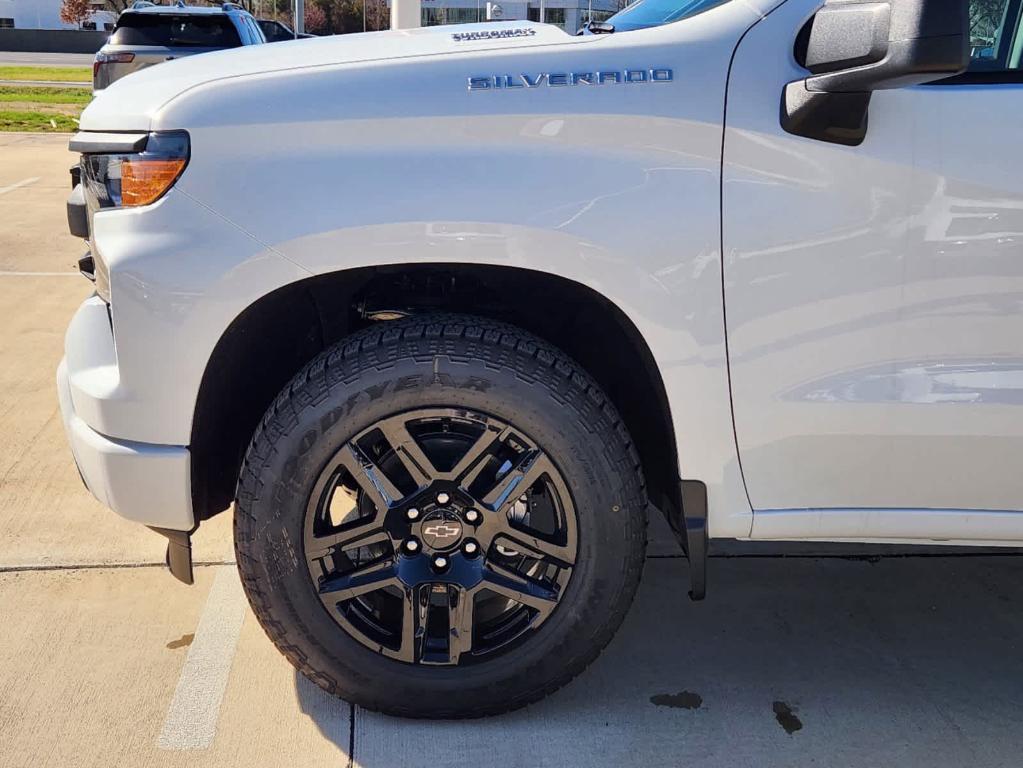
x=179, y=553
x=78, y=213
x=95, y=143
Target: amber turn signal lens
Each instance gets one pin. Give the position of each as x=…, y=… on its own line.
x=144, y=180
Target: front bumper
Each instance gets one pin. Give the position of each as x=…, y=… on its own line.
x=150, y=484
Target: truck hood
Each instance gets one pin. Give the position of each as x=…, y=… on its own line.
x=130, y=103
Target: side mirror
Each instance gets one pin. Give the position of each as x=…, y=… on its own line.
x=855, y=47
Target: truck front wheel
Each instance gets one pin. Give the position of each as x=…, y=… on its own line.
x=441, y=517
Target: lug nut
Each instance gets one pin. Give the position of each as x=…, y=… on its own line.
x=472, y=516
x=411, y=546
x=440, y=562
x=470, y=548
x=412, y=514
x=443, y=498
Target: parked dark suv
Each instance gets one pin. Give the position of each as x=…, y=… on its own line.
x=276, y=31
x=148, y=34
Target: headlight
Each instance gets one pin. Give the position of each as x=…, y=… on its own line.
x=137, y=178
x=125, y=170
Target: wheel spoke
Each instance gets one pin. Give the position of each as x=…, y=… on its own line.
x=360, y=581
x=461, y=617
x=472, y=463
x=517, y=481
x=422, y=469
x=536, y=547
x=413, y=625
x=361, y=534
x=415, y=461
x=365, y=530
x=369, y=477
x=522, y=589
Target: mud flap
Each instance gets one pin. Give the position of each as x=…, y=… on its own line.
x=694, y=535
x=179, y=553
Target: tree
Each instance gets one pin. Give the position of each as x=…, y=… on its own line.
x=316, y=20
x=75, y=11
x=378, y=15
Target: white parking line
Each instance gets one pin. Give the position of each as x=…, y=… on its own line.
x=18, y=185
x=191, y=721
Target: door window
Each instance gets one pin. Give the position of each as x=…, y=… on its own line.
x=995, y=40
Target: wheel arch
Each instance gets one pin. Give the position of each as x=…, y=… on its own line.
x=270, y=340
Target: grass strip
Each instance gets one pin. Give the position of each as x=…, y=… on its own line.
x=11, y=120
x=52, y=74
x=28, y=94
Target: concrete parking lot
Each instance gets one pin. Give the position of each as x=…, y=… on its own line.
x=105, y=660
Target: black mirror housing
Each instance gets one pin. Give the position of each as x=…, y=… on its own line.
x=856, y=47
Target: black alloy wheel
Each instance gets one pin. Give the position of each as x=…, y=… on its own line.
x=440, y=536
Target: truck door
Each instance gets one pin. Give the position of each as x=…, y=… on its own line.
x=874, y=298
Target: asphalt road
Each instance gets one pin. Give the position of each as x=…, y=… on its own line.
x=14, y=58
x=107, y=661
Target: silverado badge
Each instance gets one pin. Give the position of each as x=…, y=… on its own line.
x=556, y=79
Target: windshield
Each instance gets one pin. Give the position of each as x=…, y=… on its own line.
x=186, y=30
x=653, y=13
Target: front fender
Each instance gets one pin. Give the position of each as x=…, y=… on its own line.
x=614, y=186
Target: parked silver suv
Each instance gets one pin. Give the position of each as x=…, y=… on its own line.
x=148, y=34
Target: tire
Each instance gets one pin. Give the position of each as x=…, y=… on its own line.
x=451, y=380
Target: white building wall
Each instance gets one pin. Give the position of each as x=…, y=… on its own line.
x=42, y=14
x=6, y=9
x=38, y=14
x=575, y=10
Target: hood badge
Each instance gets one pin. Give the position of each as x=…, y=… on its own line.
x=558, y=79
x=492, y=34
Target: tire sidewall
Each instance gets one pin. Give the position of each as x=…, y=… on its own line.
x=558, y=415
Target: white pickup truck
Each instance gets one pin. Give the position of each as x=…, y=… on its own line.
x=444, y=312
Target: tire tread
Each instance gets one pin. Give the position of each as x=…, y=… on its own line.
x=341, y=363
